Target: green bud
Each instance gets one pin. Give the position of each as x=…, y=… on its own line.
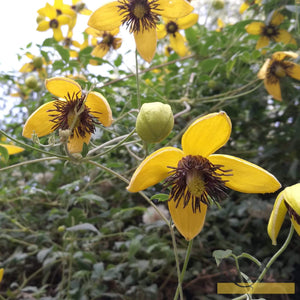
x=154, y=122
x=61, y=228
x=31, y=82
x=37, y=62
x=218, y=4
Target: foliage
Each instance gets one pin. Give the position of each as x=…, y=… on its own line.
x=71, y=230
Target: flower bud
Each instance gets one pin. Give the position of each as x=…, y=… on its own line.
x=154, y=122
x=31, y=82
x=218, y=4
x=37, y=62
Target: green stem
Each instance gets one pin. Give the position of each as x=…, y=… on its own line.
x=137, y=80
x=185, y=264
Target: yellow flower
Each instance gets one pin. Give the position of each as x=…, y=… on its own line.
x=108, y=41
x=276, y=68
x=221, y=25
x=11, y=149
x=171, y=28
x=287, y=201
x=80, y=7
x=140, y=16
x=56, y=20
x=247, y=3
x=37, y=63
x=61, y=113
x=196, y=175
x=1, y=274
x=270, y=31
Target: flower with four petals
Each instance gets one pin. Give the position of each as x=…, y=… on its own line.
x=196, y=176
x=71, y=110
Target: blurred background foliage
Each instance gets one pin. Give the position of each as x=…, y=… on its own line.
x=72, y=231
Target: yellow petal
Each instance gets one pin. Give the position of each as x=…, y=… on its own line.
x=294, y=71
x=283, y=37
x=63, y=20
x=187, y=222
x=277, y=217
x=57, y=34
x=177, y=42
x=263, y=41
x=100, y=50
x=99, y=108
x=244, y=6
x=49, y=11
x=296, y=225
x=11, y=149
x=187, y=21
x=291, y=195
x=173, y=9
x=43, y=26
x=161, y=31
x=154, y=168
x=272, y=85
x=146, y=43
x=26, y=68
x=246, y=176
x=207, y=134
x=39, y=121
x=255, y=28
x=1, y=274
x=263, y=71
x=75, y=144
x=277, y=19
x=281, y=55
x=107, y=17
x=61, y=86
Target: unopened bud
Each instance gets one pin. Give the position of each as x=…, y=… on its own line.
x=154, y=122
x=218, y=4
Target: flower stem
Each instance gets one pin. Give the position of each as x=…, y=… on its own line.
x=185, y=264
x=137, y=80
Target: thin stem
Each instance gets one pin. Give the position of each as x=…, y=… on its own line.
x=185, y=264
x=137, y=80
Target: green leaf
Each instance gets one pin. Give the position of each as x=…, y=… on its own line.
x=160, y=197
x=63, y=52
x=221, y=254
x=4, y=153
x=84, y=227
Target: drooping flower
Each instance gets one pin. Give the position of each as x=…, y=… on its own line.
x=141, y=17
x=287, y=201
x=171, y=28
x=71, y=110
x=248, y=3
x=270, y=31
x=276, y=68
x=196, y=176
x=54, y=19
x=108, y=41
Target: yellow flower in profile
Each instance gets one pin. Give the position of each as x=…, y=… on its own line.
x=55, y=20
x=196, y=176
x=11, y=149
x=1, y=274
x=140, y=16
x=270, y=31
x=287, y=201
x=72, y=110
x=108, y=41
x=276, y=68
x=171, y=28
x=247, y=3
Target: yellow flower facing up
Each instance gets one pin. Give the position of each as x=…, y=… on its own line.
x=276, y=68
x=54, y=19
x=287, y=201
x=141, y=17
x=108, y=41
x=171, y=28
x=196, y=175
x=248, y=3
x=91, y=109
x=270, y=31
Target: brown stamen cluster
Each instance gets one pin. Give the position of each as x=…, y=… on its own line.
x=270, y=31
x=292, y=213
x=66, y=111
x=209, y=174
x=139, y=15
x=171, y=28
x=278, y=69
x=53, y=23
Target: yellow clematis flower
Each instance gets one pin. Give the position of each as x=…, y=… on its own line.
x=247, y=3
x=72, y=110
x=37, y=63
x=270, y=31
x=108, y=41
x=276, y=68
x=11, y=149
x=287, y=201
x=56, y=20
x=171, y=28
x=140, y=16
x=80, y=7
x=196, y=175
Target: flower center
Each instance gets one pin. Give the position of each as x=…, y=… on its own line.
x=270, y=31
x=108, y=39
x=279, y=71
x=65, y=113
x=139, y=15
x=53, y=23
x=196, y=179
x=172, y=27
x=292, y=213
